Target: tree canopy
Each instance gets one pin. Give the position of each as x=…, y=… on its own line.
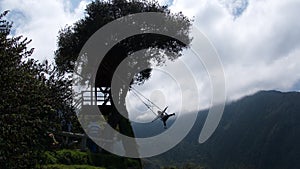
x=159, y=48
x=31, y=94
x=98, y=13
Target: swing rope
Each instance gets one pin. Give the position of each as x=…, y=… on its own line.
x=148, y=106
x=135, y=90
x=137, y=93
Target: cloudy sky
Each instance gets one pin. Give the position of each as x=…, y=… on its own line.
x=258, y=42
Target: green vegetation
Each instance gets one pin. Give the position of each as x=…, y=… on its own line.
x=36, y=96
x=259, y=131
x=32, y=92
x=186, y=166
x=99, y=13
x=61, y=166
x=67, y=157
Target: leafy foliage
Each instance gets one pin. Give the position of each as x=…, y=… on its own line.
x=75, y=157
x=98, y=13
x=67, y=157
x=31, y=94
x=62, y=166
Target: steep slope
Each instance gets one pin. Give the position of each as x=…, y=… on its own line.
x=261, y=131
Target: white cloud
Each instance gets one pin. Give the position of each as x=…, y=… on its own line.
x=182, y=85
x=41, y=21
x=281, y=74
x=259, y=49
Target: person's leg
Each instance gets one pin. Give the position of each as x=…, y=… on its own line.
x=173, y=114
x=165, y=125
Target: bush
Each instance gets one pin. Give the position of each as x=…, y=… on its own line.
x=106, y=160
x=49, y=158
x=61, y=166
x=111, y=161
x=76, y=157
x=72, y=157
x=67, y=157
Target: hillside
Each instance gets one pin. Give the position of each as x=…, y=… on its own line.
x=261, y=131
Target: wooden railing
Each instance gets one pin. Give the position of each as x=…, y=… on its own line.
x=83, y=138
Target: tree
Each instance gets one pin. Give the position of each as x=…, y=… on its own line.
x=31, y=94
x=98, y=13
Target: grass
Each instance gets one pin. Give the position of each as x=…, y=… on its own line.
x=62, y=166
x=75, y=159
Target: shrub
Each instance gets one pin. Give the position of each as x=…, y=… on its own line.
x=61, y=166
x=65, y=157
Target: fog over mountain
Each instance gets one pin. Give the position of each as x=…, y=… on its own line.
x=260, y=131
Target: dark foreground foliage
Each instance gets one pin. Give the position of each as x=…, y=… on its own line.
x=31, y=94
x=76, y=157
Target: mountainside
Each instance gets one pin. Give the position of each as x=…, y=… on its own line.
x=261, y=131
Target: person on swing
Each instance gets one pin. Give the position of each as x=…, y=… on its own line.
x=165, y=116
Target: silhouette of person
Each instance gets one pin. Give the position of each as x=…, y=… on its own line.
x=164, y=117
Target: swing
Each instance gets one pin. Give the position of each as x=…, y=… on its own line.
x=161, y=114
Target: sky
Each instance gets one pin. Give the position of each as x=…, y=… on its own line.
x=257, y=41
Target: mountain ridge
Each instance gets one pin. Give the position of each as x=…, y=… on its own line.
x=259, y=131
